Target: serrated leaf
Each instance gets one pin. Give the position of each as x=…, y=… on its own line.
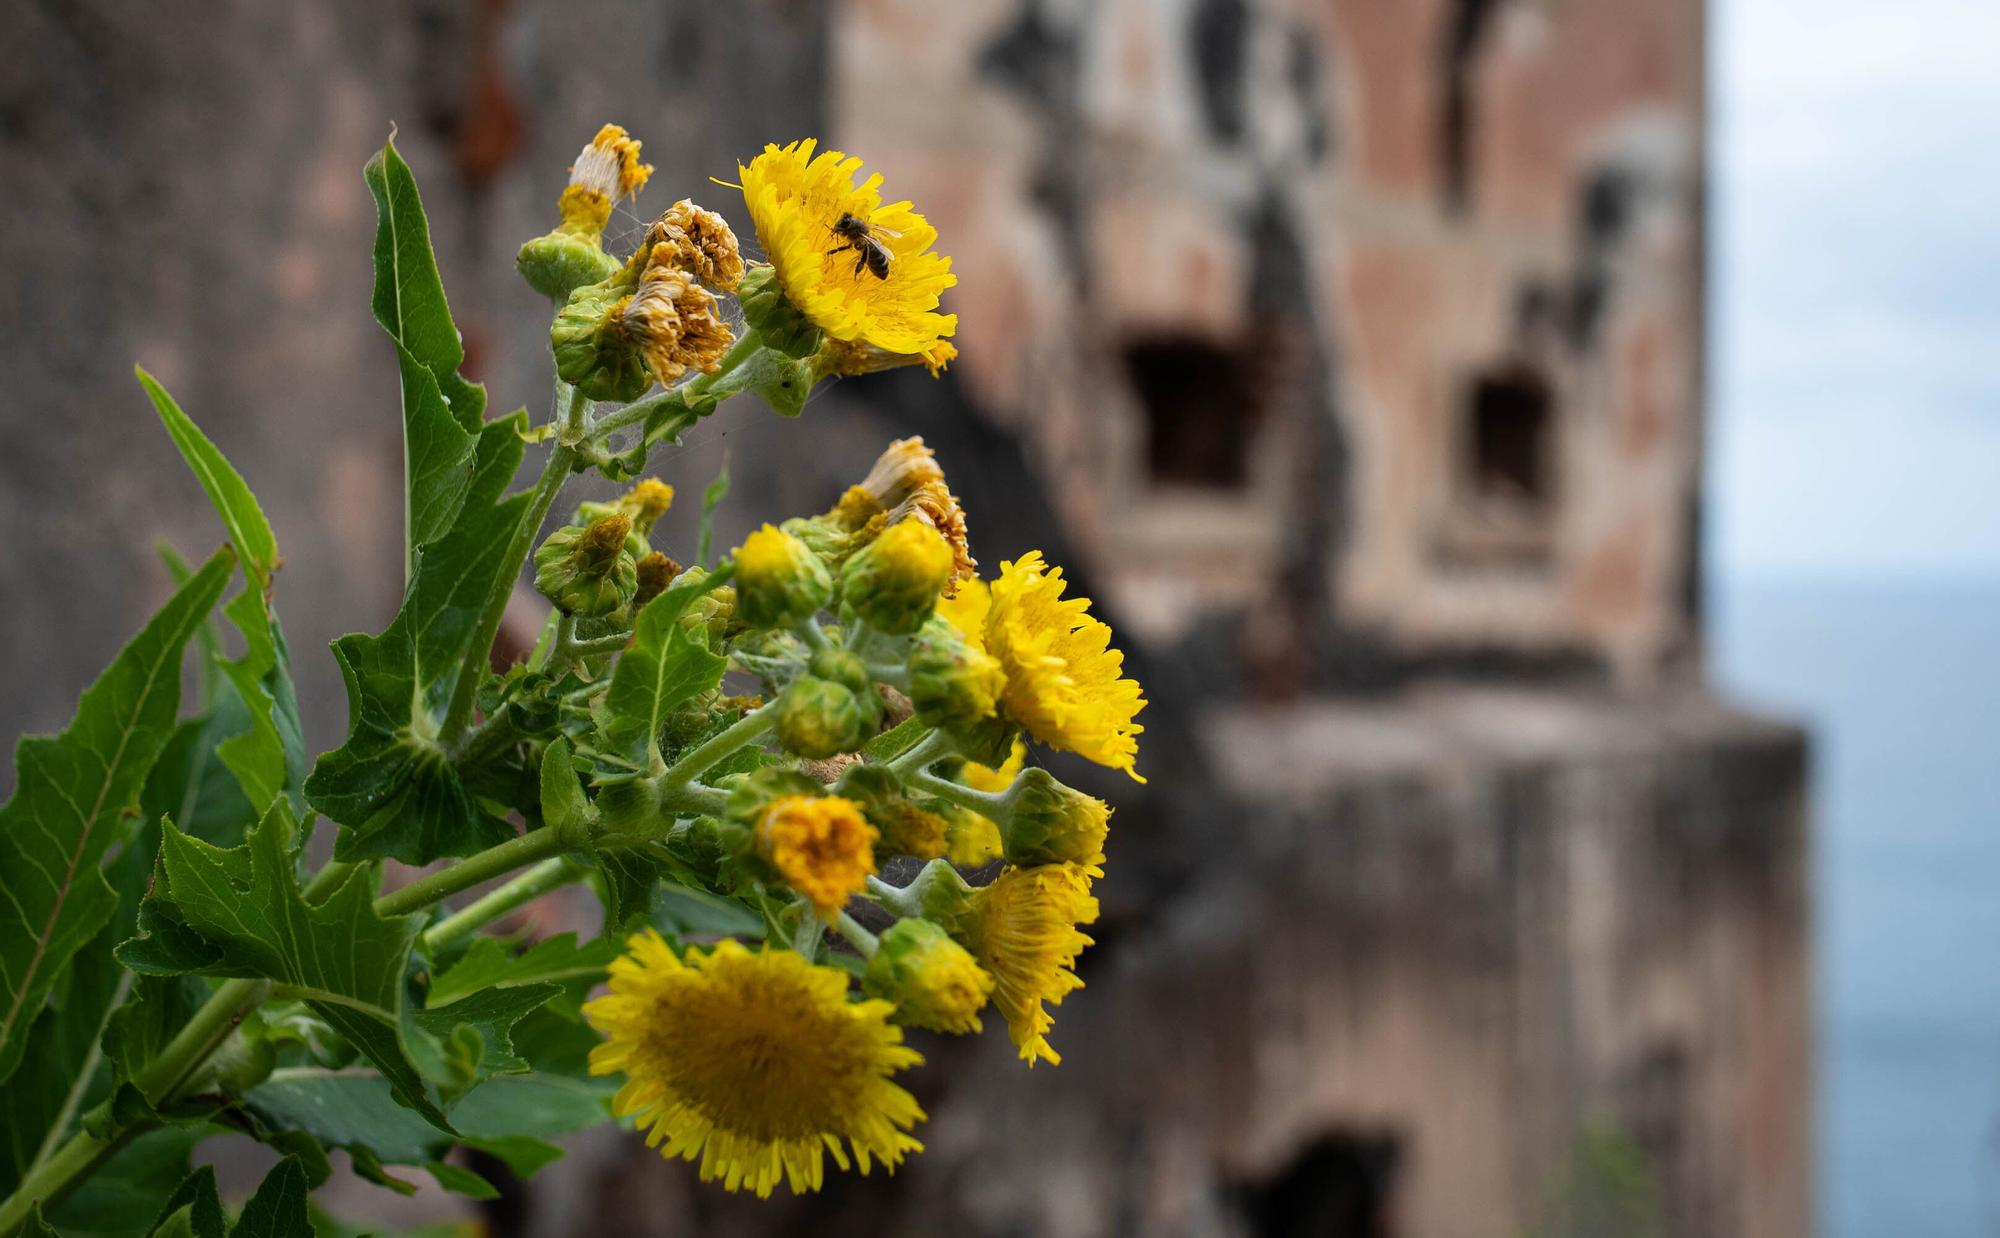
x=249, y=532
x=509, y=1116
x=490, y=963
x=391, y=785
x=267, y=758
x=475, y=1034
x=441, y=411
x=523, y=1155
x=667, y=665
x=198, y=1202
x=76, y=796
x=278, y=1209
x=240, y=912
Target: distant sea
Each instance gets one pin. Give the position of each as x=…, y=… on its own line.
x=1900, y=683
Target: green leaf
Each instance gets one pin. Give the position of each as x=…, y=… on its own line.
x=268, y=759
x=249, y=532
x=278, y=1209
x=565, y=807
x=668, y=665
x=474, y=1031
x=198, y=1201
x=462, y=1180
x=76, y=795
x=441, y=411
x=35, y=1226
x=59, y=1050
x=240, y=912
x=391, y=784
x=510, y=1116
x=489, y=963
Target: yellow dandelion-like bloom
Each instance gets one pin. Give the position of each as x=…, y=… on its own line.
x=935, y=505
x=606, y=170
x=797, y=200
x=758, y=1064
x=647, y=502
x=1022, y=929
x=1065, y=682
x=821, y=845
x=676, y=322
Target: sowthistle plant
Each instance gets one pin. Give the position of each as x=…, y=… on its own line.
x=171, y=972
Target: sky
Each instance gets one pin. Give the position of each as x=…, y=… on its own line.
x=1855, y=288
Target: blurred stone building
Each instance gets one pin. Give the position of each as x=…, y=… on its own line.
x=1349, y=351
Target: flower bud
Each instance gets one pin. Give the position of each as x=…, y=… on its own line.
x=588, y=572
x=931, y=979
x=952, y=684
x=843, y=668
x=713, y=611
x=893, y=584
x=646, y=503
x=1054, y=824
x=572, y=255
x=818, y=718
x=778, y=581
x=775, y=320
x=595, y=351
x=655, y=572
x=675, y=322
x=908, y=828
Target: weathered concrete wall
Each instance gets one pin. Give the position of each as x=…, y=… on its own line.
x=1246, y=266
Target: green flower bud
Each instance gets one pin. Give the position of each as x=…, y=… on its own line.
x=776, y=320
x=908, y=828
x=932, y=980
x=893, y=583
x=714, y=611
x=780, y=381
x=1054, y=824
x=750, y=794
x=563, y=261
x=818, y=718
x=588, y=571
x=952, y=684
x=778, y=581
x=596, y=352
x=843, y=668
x=939, y=895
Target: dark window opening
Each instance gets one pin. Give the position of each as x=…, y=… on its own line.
x=1202, y=409
x=1511, y=413
x=1341, y=1185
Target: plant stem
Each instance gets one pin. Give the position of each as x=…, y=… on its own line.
x=928, y=751
x=490, y=906
x=997, y=805
x=72, y=1101
x=495, y=861
x=561, y=458
x=739, y=733
x=861, y=939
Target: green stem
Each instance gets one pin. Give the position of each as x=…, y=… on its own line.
x=495, y=861
x=490, y=906
x=997, y=805
x=902, y=900
x=637, y=413
x=554, y=472
x=745, y=729
x=52, y=1181
x=862, y=940
x=928, y=751
x=84, y=1074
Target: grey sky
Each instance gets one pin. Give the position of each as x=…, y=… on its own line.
x=1856, y=287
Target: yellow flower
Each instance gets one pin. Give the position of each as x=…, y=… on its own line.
x=931, y=979
x=1022, y=928
x=647, y=502
x=1065, y=683
x=796, y=199
x=756, y=1063
x=849, y=359
x=606, y=170
x=821, y=845
x=987, y=778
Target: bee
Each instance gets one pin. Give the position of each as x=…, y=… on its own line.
x=859, y=235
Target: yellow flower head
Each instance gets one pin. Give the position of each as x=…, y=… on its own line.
x=1023, y=930
x=758, y=1064
x=676, y=323
x=850, y=359
x=988, y=778
x=647, y=502
x=697, y=241
x=821, y=845
x=606, y=170
x=797, y=200
x=1064, y=681
x=931, y=979
x=935, y=505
